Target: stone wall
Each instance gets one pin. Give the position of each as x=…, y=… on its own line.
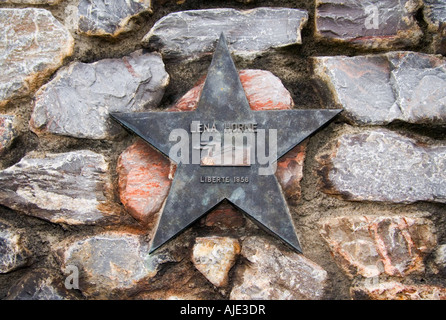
x=79, y=196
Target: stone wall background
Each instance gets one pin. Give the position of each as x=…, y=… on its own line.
x=382, y=243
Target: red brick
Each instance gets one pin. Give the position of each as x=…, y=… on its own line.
x=143, y=180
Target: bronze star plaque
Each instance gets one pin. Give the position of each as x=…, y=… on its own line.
x=225, y=150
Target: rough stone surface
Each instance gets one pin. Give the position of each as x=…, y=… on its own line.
x=373, y=245
x=32, y=49
x=265, y=91
x=214, y=257
x=273, y=274
x=7, y=131
x=438, y=263
x=78, y=100
x=180, y=281
x=70, y=188
x=41, y=284
x=397, y=291
x=225, y=216
x=112, y=264
x=379, y=89
x=418, y=81
x=289, y=172
x=109, y=18
x=377, y=24
x=435, y=13
x=145, y=176
x=435, y=16
x=176, y=34
x=382, y=165
x=14, y=253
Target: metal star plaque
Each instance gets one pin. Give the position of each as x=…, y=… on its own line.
x=225, y=150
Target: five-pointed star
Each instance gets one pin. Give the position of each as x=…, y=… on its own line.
x=223, y=100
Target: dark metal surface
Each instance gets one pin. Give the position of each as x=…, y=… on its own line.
x=223, y=100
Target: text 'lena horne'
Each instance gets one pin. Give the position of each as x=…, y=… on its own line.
x=225, y=144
